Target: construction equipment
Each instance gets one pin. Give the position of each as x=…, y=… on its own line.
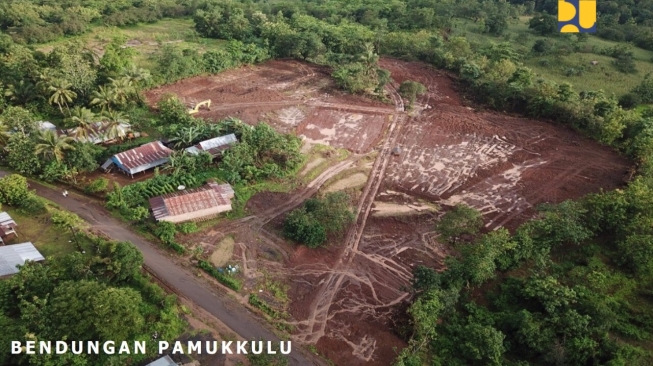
x=196, y=109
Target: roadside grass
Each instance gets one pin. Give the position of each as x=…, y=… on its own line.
x=39, y=229
x=602, y=76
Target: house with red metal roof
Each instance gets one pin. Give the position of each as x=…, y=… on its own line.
x=139, y=159
x=196, y=204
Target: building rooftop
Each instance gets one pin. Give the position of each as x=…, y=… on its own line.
x=17, y=254
x=213, y=146
x=163, y=361
x=7, y=225
x=98, y=132
x=142, y=155
x=191, y=200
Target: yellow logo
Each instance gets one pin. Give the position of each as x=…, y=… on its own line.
x=577, y=16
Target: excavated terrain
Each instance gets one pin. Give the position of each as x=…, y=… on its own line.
x=345, y=298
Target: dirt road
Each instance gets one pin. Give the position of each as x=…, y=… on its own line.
x=229, y=311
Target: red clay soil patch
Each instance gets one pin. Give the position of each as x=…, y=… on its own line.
x=292, y=97
x=499, y=164
x=358, y=328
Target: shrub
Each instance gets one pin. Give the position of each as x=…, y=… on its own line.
x=263, y=306
x=227, y=280
x=98, y=185
x=14, y=190
x=629, y=100
x=187, y=227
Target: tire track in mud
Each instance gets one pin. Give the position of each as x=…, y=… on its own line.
x=314, y=327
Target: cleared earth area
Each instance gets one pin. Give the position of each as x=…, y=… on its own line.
x=498, y=164
x=346, y=298
x=291, y=96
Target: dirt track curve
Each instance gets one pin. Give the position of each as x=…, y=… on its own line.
x=184, y=283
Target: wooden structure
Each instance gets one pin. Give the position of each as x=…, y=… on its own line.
x=7, y=227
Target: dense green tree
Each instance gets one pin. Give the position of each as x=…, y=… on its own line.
x=411, y=90
x=20, y=155
x=543, y=24
x=19, y=119
x=460, y=221
x=304, y=228
x=13, y=189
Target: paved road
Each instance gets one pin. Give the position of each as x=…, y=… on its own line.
x=228, y=310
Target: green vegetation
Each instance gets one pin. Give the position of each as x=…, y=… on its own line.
x=103, y=291
x=318, y=218
x=263, y=306
x=411, y=90
x=571, y=287
x=225, y=279
x=568, y=287
x=461, y=221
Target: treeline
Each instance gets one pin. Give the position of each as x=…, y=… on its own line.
x=571, y=287
x=39, y=21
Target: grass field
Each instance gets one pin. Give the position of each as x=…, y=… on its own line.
x=143, y=38
x=602, y=76
x=38, y=229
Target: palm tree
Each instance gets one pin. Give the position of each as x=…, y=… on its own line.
x=137, y=76
x=53, y=146
x=113, y=121
x=103, y=97
x=186, y=136
x=23, y=92
x=84, y=118
x=369, y=58
x=61, y=93
x=122, y=89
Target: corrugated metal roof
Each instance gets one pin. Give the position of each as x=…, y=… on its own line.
x=17, y=254
x=143, y=157
x=46, y=125
x=6, y=220
x=98, y=133
x=214, y=145
x=163, y=361
x=191, y=200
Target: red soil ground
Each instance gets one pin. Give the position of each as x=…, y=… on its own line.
x=500, y=164
x=291, y=96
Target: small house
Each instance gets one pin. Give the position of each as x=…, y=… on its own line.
x=213, y=146
x=139, y=159
x=196, y=204
x=17, y=254
x=7, y=227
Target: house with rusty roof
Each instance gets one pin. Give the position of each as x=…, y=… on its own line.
x=196, y=204
x=7, y=227
x=213, y=146
x=139, y=159
x=17, y=254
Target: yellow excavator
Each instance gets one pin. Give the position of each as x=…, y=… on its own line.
x=196, y=109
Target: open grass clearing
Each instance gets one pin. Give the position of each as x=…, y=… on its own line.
x=143, y=38
x=38, y=229
x=602, y=76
